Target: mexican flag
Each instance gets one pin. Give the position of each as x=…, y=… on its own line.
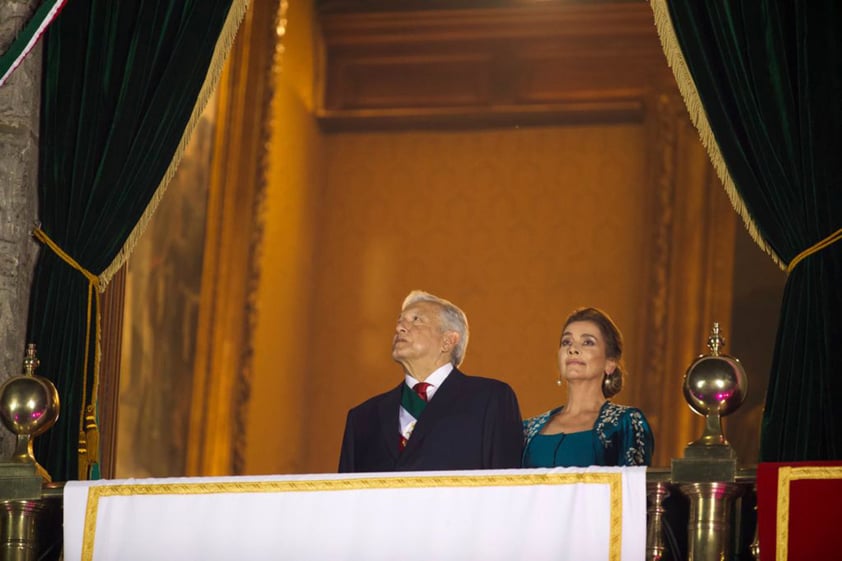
x=28, y=37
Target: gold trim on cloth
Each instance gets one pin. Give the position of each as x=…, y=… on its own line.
x=614, y=481
x=687, y=87
x=786, y=475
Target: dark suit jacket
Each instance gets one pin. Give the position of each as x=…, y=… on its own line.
x=471, y=423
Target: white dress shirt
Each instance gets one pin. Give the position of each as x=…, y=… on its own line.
x=436, y=379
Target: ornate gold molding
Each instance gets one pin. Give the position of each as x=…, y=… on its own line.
x=662, y=155
x=222, y=372
x=690, y=267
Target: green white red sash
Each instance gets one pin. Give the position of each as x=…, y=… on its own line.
x=411, y=407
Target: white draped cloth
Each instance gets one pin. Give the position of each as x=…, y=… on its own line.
x=576, y=514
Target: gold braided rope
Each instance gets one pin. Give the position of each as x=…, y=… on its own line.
x=830, y=240
x=88, y=445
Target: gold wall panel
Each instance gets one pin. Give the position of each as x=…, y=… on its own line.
x=517, y=226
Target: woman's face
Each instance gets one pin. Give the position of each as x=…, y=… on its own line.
x=581, y=355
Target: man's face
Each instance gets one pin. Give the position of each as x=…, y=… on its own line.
x=418, y=334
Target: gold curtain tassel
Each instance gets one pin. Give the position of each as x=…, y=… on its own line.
x=91, y=435
x=88, y=430
x=83, y=456
x=83, y=443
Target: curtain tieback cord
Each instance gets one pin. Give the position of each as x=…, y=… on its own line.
x=832, y=238
x=88, y=430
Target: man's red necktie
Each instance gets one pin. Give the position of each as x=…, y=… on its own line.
x=421, y=389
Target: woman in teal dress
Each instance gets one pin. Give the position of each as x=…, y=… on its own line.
x=589, y=429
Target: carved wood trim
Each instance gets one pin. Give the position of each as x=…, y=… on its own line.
x=544, y=63
x=654, y=314
x=662, y=142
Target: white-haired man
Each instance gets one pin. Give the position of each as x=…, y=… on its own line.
x=437, y=418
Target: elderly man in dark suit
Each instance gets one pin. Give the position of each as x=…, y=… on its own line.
x=437, y=418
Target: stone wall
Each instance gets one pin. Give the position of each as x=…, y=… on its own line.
x=19, y=128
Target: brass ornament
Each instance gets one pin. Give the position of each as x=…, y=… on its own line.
x=715, y=385
x=29, y=405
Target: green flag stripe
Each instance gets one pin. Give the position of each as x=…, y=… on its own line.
x=412, y=402
x=28, y=37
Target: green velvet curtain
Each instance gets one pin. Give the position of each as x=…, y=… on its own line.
x=769, y=76
x=122, y=84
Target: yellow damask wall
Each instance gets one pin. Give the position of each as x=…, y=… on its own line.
x=516, y=226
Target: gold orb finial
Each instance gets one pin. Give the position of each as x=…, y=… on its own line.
x=29, y=406
x=715, y=385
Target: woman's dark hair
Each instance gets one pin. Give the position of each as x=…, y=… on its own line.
x=611, y=383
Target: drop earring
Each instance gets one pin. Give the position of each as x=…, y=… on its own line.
x=558, y=380
x=606, y=381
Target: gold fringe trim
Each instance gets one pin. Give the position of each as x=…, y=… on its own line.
x=687, y=87
x=221, y=50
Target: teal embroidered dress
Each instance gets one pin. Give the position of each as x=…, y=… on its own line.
x=621, y=436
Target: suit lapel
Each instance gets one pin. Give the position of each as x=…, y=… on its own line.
x=443, y=402
x=387, y=411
